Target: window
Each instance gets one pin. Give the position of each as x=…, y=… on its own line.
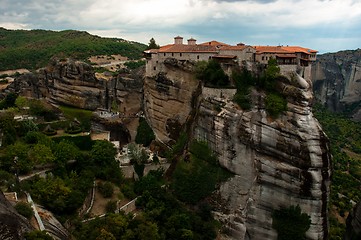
x=262, y=58
x=172, y=54
x=197, y=56
x=180, y=54
x=154, y=68
x=164, y=54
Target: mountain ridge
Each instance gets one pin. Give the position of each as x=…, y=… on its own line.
x=32, y=49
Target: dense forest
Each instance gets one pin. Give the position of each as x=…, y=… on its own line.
x=345, y=146
x=32, y=49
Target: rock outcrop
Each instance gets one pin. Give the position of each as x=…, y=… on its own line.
x=73, y=83
x=337, y=81
x=170, y=97
x=353, y=230
x=12, y=225
x=276, y=162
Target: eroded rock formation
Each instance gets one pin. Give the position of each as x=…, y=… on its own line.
x=74, y=83
x=276, y=162
x=12, y=225
x=337, y=81
x=170, y=97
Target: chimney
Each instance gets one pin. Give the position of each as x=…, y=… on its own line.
x=178, y=40
x=192, y=41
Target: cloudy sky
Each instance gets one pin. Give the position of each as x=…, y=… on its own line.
x=324, y=25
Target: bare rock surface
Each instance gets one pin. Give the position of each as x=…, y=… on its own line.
x=337, y=81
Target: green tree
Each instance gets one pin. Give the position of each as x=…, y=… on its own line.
x=8, y=101
x=212, y=75
x=37, y=235
x=103, y=153
x=41, y=154
x=105, y=235
x=65, y=151
x=141, y=229
x=138, y=157
x=106, y=189
x=17, y=157
x=7, y=125
x=24, y=209
x=271, y=74
x=21, y=102
x=290, y=223
x=145, y=134
x=152, y=44
x=111, y=206
x=275, y=104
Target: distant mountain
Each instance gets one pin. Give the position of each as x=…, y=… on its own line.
x=337, y=81
x=33, y=48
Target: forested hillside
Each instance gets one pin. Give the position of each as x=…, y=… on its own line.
x=344, y=135
x=33, y=49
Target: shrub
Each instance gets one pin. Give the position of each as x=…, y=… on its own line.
x=275, y=104
x=37, y=235
x=212, y=74
x=242, y=100
x=290, y=223
x=134, y=64
x=111, y=206
x=24, y=209
x=106, y=189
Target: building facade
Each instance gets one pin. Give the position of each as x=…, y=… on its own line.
x=240, y=54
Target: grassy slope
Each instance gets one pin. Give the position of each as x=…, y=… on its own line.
x=33, y=49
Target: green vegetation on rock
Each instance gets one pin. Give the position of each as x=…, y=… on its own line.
x=290, y=223
x=197, y=177
x=24, y=209
x=33, y=49
x=212, y=74
x=145, y=134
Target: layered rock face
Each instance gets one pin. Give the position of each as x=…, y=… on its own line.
x=337, y=81
x=276, y=162
x=170, y=97
x=74, y=83
x=12, y=225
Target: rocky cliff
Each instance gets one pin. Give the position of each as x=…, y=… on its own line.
x=276, y=162
x=12, y=225
x=337, y=81
x=74, y=83
x=170, y=97
x=354, y=224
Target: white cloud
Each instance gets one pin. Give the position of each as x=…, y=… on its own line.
x=234, y=20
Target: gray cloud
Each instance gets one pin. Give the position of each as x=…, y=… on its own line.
x=261, y=22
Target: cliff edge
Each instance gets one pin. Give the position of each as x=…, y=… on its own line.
x=277, y=162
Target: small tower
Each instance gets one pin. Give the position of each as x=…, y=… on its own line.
x=178, y=40
x=192, y=41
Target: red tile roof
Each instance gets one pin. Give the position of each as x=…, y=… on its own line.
x=215, y=44
x=283, y=49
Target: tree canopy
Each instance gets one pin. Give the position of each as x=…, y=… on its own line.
x=152, y=44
